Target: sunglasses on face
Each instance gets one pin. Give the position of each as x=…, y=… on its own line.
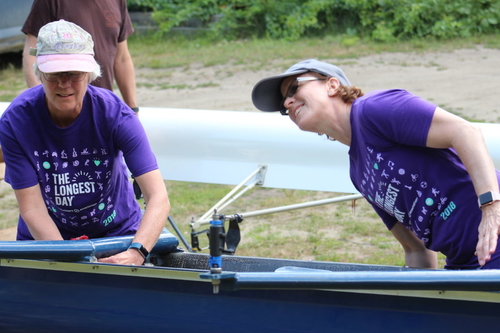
x=72, y=76
x=292, y=90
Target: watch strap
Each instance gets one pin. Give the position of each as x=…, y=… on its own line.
x=141, y=249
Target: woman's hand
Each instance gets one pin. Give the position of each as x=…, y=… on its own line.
x=489, y=229
x=129, y=257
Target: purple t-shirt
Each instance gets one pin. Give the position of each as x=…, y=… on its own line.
x=80, y=168
x=428, y=190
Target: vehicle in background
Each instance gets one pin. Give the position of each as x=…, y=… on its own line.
x=13, y=13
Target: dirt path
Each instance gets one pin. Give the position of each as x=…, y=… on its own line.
x=463, y=81
x=8, y=234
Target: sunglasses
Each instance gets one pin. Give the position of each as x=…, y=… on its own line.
x=292, y=90
x=72, y=76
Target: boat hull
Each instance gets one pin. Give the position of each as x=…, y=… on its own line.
x=48, y=296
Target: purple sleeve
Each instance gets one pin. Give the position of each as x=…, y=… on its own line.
x=396, y=117
x=19, y=172
x=133, y=142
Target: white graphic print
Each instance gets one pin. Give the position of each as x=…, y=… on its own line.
x=384, y=180
x=69, y=182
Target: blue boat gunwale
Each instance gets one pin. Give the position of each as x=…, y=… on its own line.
x=192, y=273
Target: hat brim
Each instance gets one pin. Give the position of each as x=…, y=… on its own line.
x=266, y=94
x=53, y=63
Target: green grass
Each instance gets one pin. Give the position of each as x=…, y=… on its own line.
x=182, y=51
x=331, y=232
x=11, y=83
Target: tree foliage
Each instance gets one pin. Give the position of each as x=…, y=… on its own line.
x=382, y=20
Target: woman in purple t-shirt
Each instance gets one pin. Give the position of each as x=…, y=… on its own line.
x=426, y=172
x=65, y=143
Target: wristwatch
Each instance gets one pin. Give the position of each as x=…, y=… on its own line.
x=142, y=250
x=488, y=198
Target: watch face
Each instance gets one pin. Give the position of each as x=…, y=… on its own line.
x=486, y=198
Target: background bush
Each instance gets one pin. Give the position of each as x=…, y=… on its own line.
x=380, y=20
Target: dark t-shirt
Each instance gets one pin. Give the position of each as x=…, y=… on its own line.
x=107, y=21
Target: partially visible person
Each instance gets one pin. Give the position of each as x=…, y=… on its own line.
x=426, y=172
x=108, y=22
x=67, y=147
